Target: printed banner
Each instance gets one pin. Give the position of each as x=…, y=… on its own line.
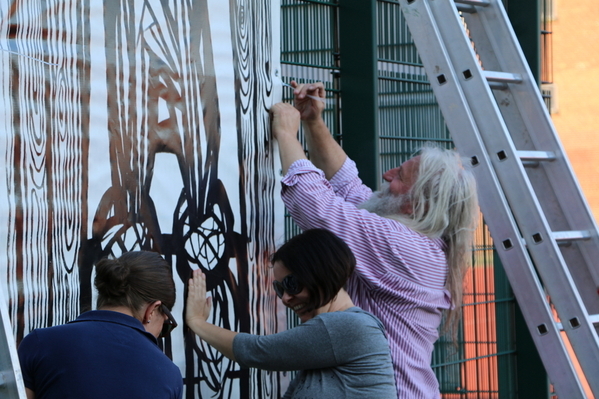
x=131, y=124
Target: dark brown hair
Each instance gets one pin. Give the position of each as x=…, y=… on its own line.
x=321, y=261
x=134, y=279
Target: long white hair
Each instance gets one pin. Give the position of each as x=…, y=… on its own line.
x=445, y=205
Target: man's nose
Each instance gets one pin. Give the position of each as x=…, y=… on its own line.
x=388, y=175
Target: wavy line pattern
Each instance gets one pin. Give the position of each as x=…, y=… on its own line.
x=43, y=151
x=252, y=35
x=162, y=97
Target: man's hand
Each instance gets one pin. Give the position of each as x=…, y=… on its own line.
x=198, y=306
x=309, y=108
x=285, y=121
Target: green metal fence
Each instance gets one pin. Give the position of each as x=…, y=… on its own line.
x=482, y=364
x=310, y=53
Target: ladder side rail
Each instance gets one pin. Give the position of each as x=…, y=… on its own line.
x=11, y=379
x=554, y=182
x=554, y=189
x=526, y=208
x=517, y=263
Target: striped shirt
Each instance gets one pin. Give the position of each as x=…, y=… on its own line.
x=400, y=274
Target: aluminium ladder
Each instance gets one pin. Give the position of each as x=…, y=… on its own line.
x=543, y=230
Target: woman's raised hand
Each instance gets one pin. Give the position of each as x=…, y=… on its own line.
x=198, y=306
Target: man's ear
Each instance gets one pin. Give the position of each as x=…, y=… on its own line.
x=150, y=310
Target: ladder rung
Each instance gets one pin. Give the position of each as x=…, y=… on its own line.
x=533, y=158
x=536, y=156
x=502, y=77
x=468, y=6
x=567, y=236
x=481, y=3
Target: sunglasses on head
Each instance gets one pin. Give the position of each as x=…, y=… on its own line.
x=290, y=284
x=169, y=324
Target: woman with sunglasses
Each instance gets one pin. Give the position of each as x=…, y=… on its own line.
x=339, y=350
x=111, y=352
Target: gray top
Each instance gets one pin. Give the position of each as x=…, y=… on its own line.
x=338, y=355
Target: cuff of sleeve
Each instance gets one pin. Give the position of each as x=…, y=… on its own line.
x=238, y=352
x=299, y=167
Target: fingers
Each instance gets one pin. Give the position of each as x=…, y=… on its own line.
x=282, y=114
x=202, y=294
x=198, y=306
x=301, y=91
x=197, y=284
x=285, y=120
x=201, y=284
x=309, y=100
x=282, y=109
x=209, y=305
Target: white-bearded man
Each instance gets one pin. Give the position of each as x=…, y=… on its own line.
x=412, y=239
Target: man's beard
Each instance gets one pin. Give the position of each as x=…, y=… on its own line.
x=384, y=203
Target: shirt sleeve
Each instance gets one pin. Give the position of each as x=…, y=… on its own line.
x=26, y=351
x=304, y=347
x=348, y=185
x=380, y=245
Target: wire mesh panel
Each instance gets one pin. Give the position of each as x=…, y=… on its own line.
x=479, y=370
x=547, y=17
x=309, y=53
x=547, y=87
x=308, y=33
x=309, y=50
x=394, y=39
x=481, y=363
x=408, y=118
x=408, y=112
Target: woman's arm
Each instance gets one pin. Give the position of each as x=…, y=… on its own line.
x=307, y=346
x=198, y=310
x=30, y=393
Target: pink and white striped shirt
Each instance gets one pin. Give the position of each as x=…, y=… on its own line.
x=400, y=274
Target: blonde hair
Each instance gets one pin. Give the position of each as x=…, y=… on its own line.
x=445, y=205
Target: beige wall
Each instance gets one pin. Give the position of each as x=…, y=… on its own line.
x=576, y=78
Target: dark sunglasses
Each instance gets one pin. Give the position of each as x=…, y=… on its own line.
x=169, y=324
x=290, y=284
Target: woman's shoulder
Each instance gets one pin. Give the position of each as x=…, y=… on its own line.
x=356, y=317
x=353, y=312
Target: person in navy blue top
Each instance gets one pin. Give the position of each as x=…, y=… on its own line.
x=111, y=352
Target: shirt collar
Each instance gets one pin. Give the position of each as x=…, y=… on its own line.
x=114, y=317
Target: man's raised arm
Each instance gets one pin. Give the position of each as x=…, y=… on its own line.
x=325, y=153
x=285, y=120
